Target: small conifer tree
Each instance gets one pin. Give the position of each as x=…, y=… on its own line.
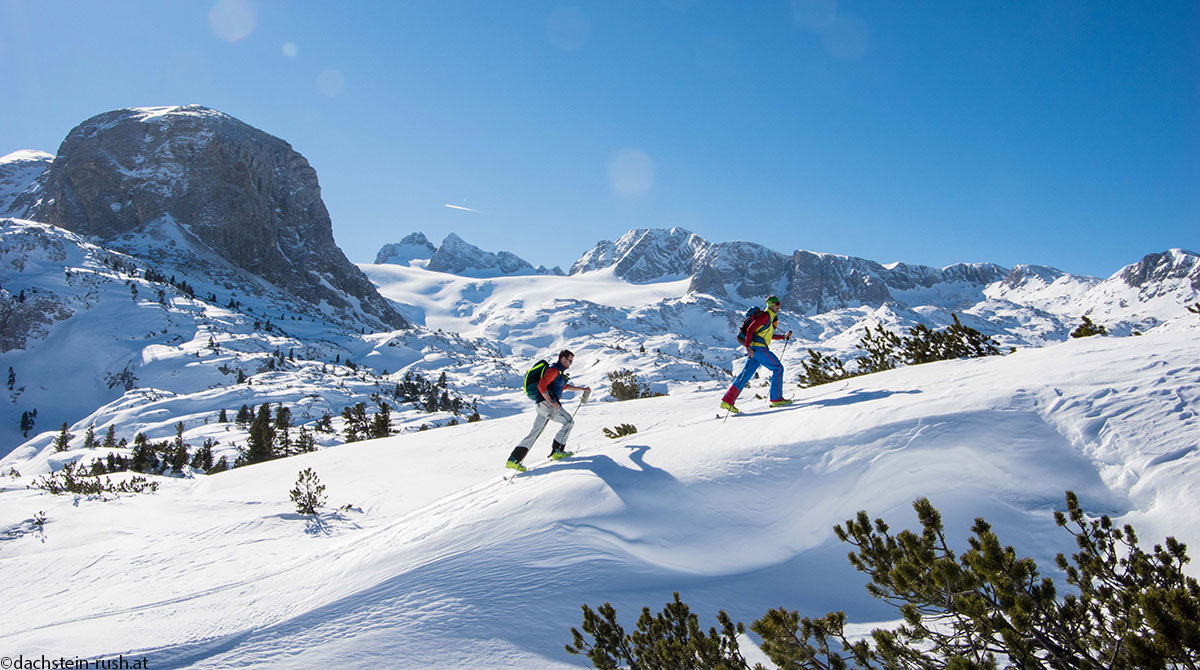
x=309, y=492
x=260, y=444
x=63, y=441
x=110, y=438
x=89, y=437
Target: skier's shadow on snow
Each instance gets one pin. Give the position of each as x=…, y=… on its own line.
x=853, y=397
x=626, y=482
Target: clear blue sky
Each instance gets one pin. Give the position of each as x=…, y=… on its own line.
x=1063, y=133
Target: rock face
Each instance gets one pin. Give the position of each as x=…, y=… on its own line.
x=1161, y=273
x=458, y=257
x=411, y=248
x=245, y=194
x=747, y=272
x=18, y=176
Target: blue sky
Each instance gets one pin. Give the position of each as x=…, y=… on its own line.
x=1041, y=131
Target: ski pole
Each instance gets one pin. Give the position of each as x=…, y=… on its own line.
x=586, y=394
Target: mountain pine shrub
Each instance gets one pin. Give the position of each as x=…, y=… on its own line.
x=309, y=492
x=982, y=608
x=1088, y=329
x=669, y=640
x=625, y=385
x=821, y=369
x=72, y=479
x=620, y=431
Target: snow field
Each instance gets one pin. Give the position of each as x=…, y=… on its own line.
x=440, y=563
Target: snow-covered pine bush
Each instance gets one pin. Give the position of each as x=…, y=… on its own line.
x=309, y=492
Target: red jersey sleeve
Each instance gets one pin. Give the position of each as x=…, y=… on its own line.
x=547, y=378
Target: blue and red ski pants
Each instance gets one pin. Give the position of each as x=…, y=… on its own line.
x=758, y=356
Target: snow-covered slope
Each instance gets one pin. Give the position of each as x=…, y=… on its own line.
x=19, y=171
x=94, y=337
x=440, y=563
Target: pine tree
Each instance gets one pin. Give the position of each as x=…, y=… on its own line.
x=973, y=610
x=244, y=417
x=110, y=438
x=223, y=417
x=309, y=492
x=63, y=441
x=143, y=458
x=177, y=453
x=881, y=349
x=203, y=458
x=283, y=427
x=305, y=442
x=358, y=426
x=820, y=369
x=669, y=640
x=12, y=379
x=381, y=425
x=260, y=444
x=89, y=437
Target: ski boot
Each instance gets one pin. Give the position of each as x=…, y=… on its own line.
x=515, y=465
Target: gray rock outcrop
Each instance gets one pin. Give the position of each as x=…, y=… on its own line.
x=245, y=194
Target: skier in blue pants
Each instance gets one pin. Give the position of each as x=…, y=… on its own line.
x=759, y=335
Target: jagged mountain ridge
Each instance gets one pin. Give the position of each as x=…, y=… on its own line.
x=458, y=257
x=816, y=283
x=413, y=247
x=244, y=194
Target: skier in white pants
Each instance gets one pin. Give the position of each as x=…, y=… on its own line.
x=545, y=386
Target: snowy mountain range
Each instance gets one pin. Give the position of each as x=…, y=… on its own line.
x=169, y=264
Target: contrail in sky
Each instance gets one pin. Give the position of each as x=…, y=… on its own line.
x=467, y=209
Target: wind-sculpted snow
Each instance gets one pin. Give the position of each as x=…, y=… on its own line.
x=437, y=562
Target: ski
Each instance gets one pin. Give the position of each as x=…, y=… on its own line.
x=795, y=403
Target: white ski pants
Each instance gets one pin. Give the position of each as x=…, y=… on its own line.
x=545, y=414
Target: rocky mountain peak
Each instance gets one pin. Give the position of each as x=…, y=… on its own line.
x=1172, y=267
x=415, y=246
x=244, y=194
x=456, y=256
x=644, y=255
